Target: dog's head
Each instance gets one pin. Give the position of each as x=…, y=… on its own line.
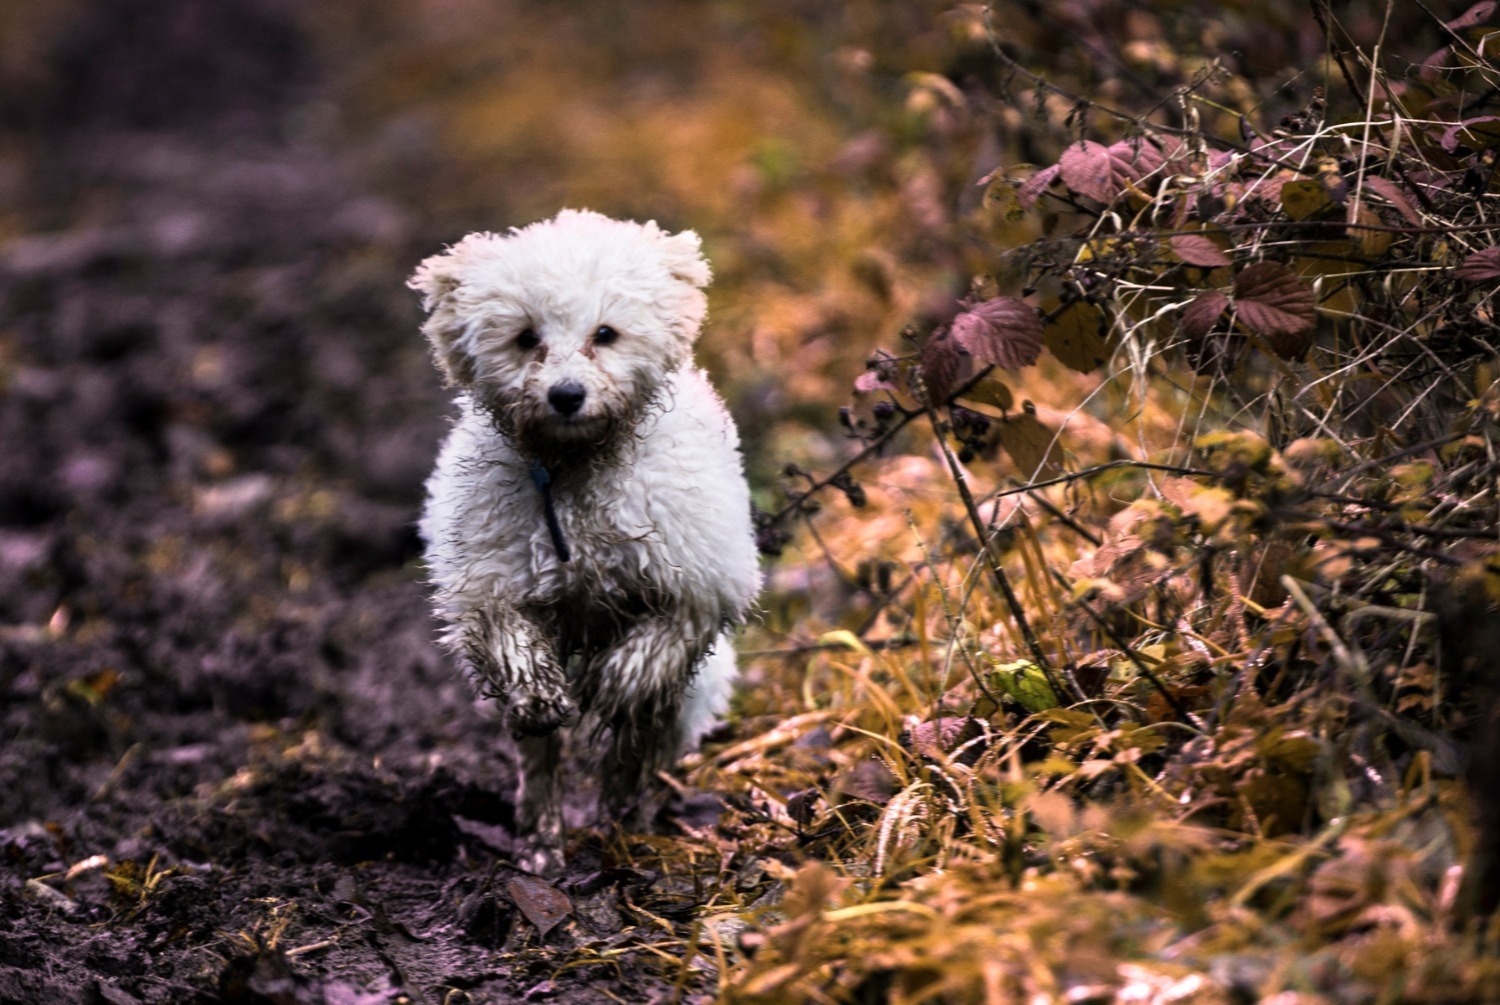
x=565, y=330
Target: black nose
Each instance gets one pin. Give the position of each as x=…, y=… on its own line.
x=567, y=397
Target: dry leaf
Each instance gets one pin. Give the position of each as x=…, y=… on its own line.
x=1078, y=337
x=543, y=904
x=990, y=391
x=1391, y=193
x=1372, y=243
x=1031, y=445
x=1304, y=197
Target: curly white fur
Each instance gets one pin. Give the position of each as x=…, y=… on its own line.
x=571, y=342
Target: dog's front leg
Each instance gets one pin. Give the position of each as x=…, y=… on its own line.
x=539, y=816
x=514, y=662
x=636, y=686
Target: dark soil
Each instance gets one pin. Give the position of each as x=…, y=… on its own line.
x=234, y=767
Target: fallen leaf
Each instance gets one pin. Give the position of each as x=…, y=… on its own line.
x=1031, y=445
x=543, y=904
x=1304, y=197
x=1391, y=193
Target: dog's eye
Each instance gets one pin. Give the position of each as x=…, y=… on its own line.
x=605, y=335
x=528, y=339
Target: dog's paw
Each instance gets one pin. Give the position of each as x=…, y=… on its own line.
x=540, y=714
x=542, y=861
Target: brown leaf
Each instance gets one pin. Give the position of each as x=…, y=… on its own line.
x=990, y=391
x=1479, y=266
x=1203, y=312
x=1004, y=331
x=869, y=780
x=941, y=737
x=802, y=806
x=1195, y=249
x=1078, y=337
x=1391, y=193
x=1031, y=445
x=1372, y=243
x=1270, y=301
x=945, y=365
x=543, y=904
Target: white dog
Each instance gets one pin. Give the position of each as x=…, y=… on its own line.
x=588, y=526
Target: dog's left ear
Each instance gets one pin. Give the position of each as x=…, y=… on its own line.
x=683, y=255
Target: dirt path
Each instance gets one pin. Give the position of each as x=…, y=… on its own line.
x=233, y=767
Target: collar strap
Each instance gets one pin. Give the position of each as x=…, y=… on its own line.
x=543, y=482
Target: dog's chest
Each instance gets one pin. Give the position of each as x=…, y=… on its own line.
x=613, y=549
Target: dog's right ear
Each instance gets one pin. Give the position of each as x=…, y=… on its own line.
x=434, y=279
x=438, y=280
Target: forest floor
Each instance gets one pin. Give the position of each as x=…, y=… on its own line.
x=235, y=767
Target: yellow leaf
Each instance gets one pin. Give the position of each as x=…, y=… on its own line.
x=990, y=391
x=1077, y=337
x=1031, y=445
x=1303, y=197
x=1371, y=243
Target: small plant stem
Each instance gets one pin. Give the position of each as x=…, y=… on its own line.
x=1130, y=654
x=992, y=560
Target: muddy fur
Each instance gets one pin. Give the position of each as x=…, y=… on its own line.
x=587, y=527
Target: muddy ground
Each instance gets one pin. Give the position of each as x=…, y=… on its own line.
x=233, y=765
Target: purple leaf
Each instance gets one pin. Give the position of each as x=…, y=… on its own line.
x=1272, y=302
x=1203, y=312
x=1004, y=331
x=1391, y=193
x=945, y=365
x=1031, y=190
x=1198, y=250
x=1479, y=266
